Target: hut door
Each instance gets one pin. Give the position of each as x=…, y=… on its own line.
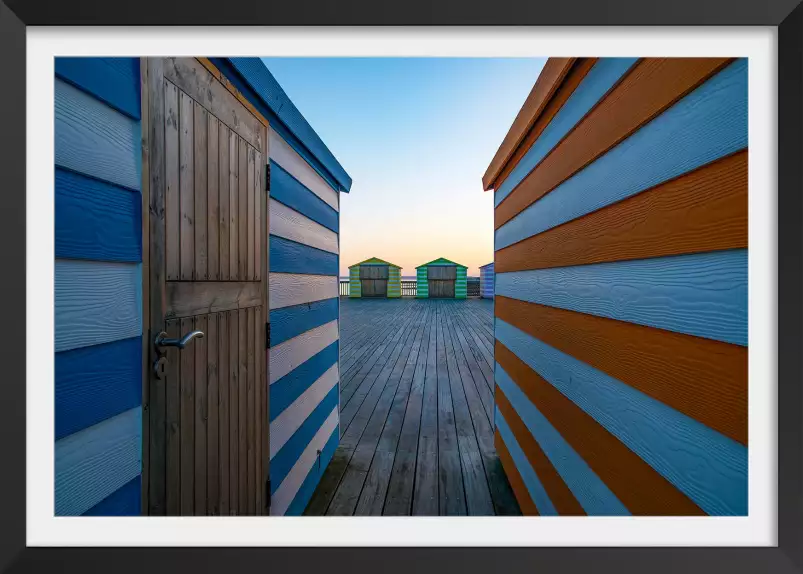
x=374, y=279
x=205, y=435
x=441, y=281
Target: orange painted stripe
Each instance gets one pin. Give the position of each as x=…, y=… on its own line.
x=702, y=378
x=548, y=81
x=526, y=503
x=703, y=210
x=567, y=87
x=651, y=87
x=560, y=495
x=640, y=488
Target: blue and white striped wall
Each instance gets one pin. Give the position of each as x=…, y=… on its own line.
x=487, y=281
x=98, y=279
x=304, y=306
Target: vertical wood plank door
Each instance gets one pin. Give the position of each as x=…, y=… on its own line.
x=441, y=279
x=206, y=411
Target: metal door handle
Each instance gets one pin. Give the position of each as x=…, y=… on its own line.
x=161, y=339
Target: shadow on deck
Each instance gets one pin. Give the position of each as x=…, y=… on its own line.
x=416, y=412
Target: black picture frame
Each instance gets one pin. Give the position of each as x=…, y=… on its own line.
x=786, y=15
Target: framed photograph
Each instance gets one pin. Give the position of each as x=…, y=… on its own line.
x=420, y=288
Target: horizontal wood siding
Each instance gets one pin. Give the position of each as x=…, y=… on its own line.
x=304, y=381
x=620, y=286
x=98, y=286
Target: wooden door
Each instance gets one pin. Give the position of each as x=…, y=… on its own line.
x=205, y=427
x=374, y=280
x=441, y=279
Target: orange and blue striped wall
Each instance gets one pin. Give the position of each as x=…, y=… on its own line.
x=98, y=284
x=621, y=289
x=487, y=281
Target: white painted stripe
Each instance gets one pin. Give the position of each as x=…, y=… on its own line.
x=295, y=165
x=96, y=302
x=292, y=482
x=292, y=225
x=296, y=351
x=94, y=462
x=293, y=289
x=93, y=139
x=287, y=423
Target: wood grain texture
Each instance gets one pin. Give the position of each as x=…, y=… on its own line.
x=185, y=298
x=601, y=78
x=242, y=411
x=224, y=402
x=187, y=418
x=213, y=199
x=702, y=378
x=259, y=214
x=173, y=405
x=706, y=466
x=242, y=215
x=93, y=463
x=292, y=289
x=96, y=302
x=651, y=87
x=200, y=157
x=294, y=352
x=640, y=488
x=703, y=294
x=292, y=225
x=213, y=443
x=192, y=77
x=523, y=497
x=548, y=81
x=234, y=412
x=96, y=220
x=93, y=139
x=186, y=147
x=295, y=165
x=201, y=415
x=171, y=194
x=224, y=176
x=561, y=496
x=251, y=215
x=704, y=210
x=250, y=414
x=706, y=125
x=234, y=206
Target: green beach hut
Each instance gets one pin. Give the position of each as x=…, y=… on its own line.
x=375, y=277
x=441, y=279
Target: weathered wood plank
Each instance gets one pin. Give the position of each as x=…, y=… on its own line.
x=234, y=412
x=242, y=408
x=213, y=199
x=224, y=176
x=213, y=444
x=185, y=298
x=201, y=414
x=187, y=417
x=242, y=204
x=224, y=394
x=251, y=411
x=173, y=424
x=201, y=119
x=234, y=206
x=186, y=175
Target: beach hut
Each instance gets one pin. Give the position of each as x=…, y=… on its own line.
x=487, y=281
x=441, y=279
x=196, y=262
x=611, y=228
x=374, y=277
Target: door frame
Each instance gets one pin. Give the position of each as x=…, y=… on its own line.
x=153, y=303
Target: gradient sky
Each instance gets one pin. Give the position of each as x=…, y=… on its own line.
x=415, y=135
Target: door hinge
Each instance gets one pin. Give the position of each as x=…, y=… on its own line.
x=267, y=177
x=267, y=335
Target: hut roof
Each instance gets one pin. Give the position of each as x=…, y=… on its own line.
x=442, y=261
x=374, y=261
x=486, y=265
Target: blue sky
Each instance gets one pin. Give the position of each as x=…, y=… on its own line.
x=415, y=135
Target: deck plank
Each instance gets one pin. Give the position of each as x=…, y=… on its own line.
x=416, y=413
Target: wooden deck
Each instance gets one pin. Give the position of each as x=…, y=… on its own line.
x=416, y=412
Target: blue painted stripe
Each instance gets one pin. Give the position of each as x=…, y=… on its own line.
x=307, y=488
x=268, y=91
x=115, y=81
x=125, y=501
x=600, y=79
x=528, y=475
x=96, y=220
x=708, y=124
x=702, y=294
x=288, y=256
x=287, y=456
x=291, y=386
x=93, y=463
x=288, y=322
x=295, y=195
x=589, y=490
x=95, y=383
x=708, y=467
